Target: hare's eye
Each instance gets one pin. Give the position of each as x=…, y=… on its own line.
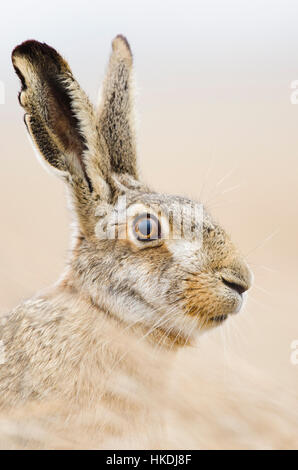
x=147, y=227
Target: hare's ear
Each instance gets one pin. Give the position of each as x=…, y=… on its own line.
x=115, y=115
x=59, y=116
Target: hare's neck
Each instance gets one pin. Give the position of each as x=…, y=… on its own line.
x=130, y=311
x=116, y=362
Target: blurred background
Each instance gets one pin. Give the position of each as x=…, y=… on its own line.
x=216, y=123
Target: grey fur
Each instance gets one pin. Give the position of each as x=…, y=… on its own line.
x=167, y=290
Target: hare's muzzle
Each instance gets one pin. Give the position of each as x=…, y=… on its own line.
x=238, y=281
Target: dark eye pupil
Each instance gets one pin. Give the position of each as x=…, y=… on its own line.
x=145, y=227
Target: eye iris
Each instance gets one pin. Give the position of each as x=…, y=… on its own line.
x=145, y=227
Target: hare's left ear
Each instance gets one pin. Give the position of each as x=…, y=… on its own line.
x=116, y=113
x=60, y=119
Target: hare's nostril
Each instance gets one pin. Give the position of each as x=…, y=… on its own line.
x=240, y=288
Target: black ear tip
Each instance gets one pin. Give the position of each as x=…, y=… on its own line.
x=36, y=52
x=121, y=37
x=120, y=44
x=26, y=48
x=23, y=49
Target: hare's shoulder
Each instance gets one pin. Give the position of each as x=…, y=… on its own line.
x=28, y=347
x=31, y=315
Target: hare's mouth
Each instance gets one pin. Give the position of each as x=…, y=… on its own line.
x=219, y=318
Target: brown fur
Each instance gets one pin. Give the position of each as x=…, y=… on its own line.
x=75, y=343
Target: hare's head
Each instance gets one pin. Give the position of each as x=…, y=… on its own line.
x=141, y=256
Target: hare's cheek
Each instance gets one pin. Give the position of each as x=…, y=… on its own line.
x=187, y=254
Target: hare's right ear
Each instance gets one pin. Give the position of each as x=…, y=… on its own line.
x=116, y=110
x=60, y=118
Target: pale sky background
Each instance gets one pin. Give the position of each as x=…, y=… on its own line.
x=215, y=120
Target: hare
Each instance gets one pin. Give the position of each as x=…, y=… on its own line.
x=155, y=266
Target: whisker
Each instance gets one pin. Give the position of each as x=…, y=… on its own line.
x=259, y=303
x=232, y=188
x=275, y=232
x=261, y=289
x=266, y=268
x=227, y=175
x=221, y=204
x=222, y=193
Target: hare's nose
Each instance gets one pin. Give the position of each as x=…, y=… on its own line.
x=237, y=286
x=237, y=277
